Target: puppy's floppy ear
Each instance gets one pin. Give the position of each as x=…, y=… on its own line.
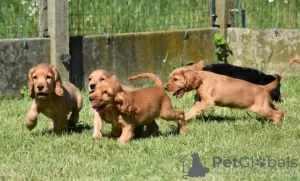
x=125, y=105
x=58, y=84
x=122, y=101
x=134, y=109
x=193, y=79
x=30, y=83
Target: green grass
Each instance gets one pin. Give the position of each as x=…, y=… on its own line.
x=223, y=132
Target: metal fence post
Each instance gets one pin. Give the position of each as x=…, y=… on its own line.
x=213, y=13
x=243, y=18
x=59, y=36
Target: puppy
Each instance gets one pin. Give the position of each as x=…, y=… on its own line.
x=102, y=100
x=52, y=98
x=95, y=79
x=244, y=73
x=142, y=106
x=97, y=76
x=292, y=60
x=224, y=91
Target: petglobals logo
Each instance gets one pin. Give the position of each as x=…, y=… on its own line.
x=262, y=162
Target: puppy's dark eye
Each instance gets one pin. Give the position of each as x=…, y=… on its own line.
x=174, y=79
x=105, y=92
x=35, y=77
x=101, y=79
x=89, y=79
x=48, y=77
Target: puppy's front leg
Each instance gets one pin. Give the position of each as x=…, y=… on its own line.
x=127, y=132
x=97, y=123
x=31, y=117
x=197, y=109
x=60, y=124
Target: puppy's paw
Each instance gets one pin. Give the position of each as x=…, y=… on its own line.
x=183, y=130
x=189, y=116
x=180, y=115
x=122, y=141
x=30, y=124
x=97, y=136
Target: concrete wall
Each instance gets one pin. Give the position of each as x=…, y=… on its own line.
x=129, y=54
x=15, y=61
x=264, y=49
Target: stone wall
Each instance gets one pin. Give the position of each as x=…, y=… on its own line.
x=265, y=49
x=17, y=56
x=128, y=54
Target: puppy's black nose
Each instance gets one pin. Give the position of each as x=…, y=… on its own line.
x=40, y=87
x=91, y=99
x=92, y=86
x=166, y=88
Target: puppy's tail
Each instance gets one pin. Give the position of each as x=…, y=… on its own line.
x=273, y=84
x=151, y=76
x=292, y=60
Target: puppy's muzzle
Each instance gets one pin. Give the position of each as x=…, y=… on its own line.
x=40, y=87
x=92, y=86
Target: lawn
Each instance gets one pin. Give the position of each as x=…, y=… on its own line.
x=220, y=132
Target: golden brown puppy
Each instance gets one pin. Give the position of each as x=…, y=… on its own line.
x=224, y=91
x=292, y=60
x=103, y=103
x=96, y=78
x=102, y=100
x=142, y=106
x=52, y=98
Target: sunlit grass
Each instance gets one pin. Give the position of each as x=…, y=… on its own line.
x=223, y=132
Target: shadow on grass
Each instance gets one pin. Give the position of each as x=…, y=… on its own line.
x=79, y=128
x=220, y=119
x=141, y=133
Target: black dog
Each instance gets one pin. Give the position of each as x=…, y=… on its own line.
x=248, y=74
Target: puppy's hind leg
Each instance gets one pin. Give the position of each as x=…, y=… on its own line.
x=73, y=120
x=152, y=128
x=268, y=111
x=277, y=114
x=168, y=113
x=31, y=117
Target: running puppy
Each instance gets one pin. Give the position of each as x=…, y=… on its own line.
x=220, y=90
x=142, y=106
x=52, y=98
x=243, y=73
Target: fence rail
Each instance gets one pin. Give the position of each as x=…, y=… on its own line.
x=122, y=16
x=269, y=13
